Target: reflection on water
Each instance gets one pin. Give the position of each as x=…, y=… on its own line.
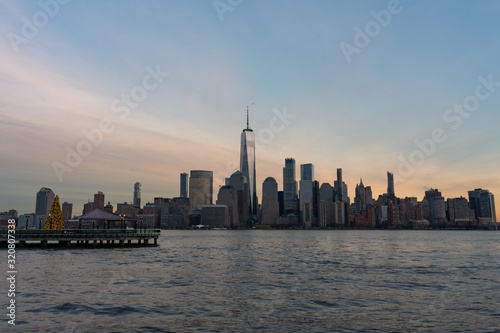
x=271, y=281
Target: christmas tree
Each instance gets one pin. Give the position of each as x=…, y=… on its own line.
x=55, y=218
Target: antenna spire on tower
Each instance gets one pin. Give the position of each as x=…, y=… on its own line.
x=248, y=123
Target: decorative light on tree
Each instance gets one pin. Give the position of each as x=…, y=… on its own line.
x=55, y=219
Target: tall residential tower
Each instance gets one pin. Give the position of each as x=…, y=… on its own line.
x=339, y=186
x=99, y=200
x=137, y=194
x=390, y=183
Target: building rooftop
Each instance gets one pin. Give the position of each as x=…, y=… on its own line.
x=98, y=214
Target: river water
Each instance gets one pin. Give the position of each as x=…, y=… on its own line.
x=267, y=281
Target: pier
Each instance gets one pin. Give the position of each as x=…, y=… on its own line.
x=81, y=238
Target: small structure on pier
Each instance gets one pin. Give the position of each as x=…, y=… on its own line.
x=99, y=219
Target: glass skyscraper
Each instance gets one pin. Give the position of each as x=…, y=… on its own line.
x=44, y=199
x=247, y=166
x=340, y=191
x=306, y=193
x=289, y=186
x=184, y=185
x=307, y=172
x=483, y=203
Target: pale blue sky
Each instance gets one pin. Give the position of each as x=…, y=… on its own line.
x=360, y=116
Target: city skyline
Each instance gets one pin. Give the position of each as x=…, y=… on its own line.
x=205, y=193
x=67, y=83
x=306, y=173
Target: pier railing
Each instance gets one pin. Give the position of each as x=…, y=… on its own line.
x=81, y=236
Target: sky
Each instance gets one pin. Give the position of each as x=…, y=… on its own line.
x=98, y=95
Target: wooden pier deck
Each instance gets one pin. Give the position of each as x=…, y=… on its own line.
x=80, y=237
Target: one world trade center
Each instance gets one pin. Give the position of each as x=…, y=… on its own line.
x=247, y=166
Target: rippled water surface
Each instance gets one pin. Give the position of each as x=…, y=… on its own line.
x=270, y=281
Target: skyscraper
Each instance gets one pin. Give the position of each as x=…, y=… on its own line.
x=99, y=200
x=67, y=210
x=432, y=193
x=44, y=199
x=306, y=194
x=436, y=205
x=339, y=184
x=458, y=210
x=342, y=189
x=483, y=203
x=289, y=186
x=281, y=203
x=326, y=206
x=247, y=165
x=239, y=182
x=315, y=201
x=326, y=193
x=88, y=207
x=487, y=205
x=200, y=188
x=229, y=196
x=368, y=195
x=137, y=194
x=184, y=185
x=307, y=172
x=437, y=209
x=270, y=203
x=360, y=197
x=390, y=183
x=360, y=191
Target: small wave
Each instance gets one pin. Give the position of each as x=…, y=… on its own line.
x=327, y=304
x=72, y=308
x=118, y=310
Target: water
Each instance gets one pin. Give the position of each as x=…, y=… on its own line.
x=268, y=281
